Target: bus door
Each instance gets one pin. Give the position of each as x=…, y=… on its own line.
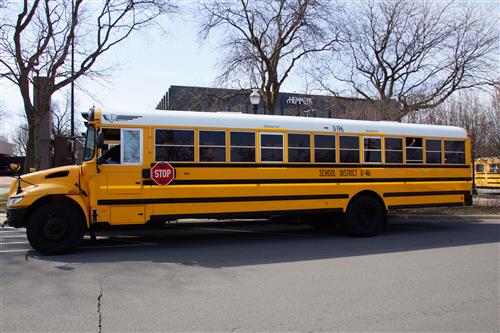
x=119, y=178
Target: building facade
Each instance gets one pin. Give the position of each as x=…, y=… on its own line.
x=290, y=104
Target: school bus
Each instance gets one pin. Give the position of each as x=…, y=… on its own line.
x=232, y=165
x=487, y=175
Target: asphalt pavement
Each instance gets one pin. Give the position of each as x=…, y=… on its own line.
x=417, y=275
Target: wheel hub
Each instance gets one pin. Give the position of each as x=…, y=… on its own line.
x=55, y=228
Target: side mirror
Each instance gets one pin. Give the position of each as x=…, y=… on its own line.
x=100, y=140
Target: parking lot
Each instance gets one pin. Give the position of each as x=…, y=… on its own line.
x=417, y=275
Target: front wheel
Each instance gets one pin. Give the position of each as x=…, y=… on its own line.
x=55, y=228
x=364, y=217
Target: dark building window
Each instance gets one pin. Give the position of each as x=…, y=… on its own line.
x=299, y=149
x=242, y=146
x=174, y=145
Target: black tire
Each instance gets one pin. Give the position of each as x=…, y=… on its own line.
x=364, y=217
x=55, y=228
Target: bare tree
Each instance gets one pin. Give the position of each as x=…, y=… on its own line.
x=464, y=110
x=36, y=39
x=61, y=117
x=416, y=53
x=264, y=39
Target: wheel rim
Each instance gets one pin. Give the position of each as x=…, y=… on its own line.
x=55, y=228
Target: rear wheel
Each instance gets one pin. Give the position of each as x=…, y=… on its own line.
x=55, y=228
x=364, y=217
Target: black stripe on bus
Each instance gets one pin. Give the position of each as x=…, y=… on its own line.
x=312, y=165
x=236, y=215
x=446, y=204
x=303, y=181
x=219, y=199
x=415, y=194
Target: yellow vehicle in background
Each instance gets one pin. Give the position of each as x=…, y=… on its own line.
x=487, y=173
x=151, y=167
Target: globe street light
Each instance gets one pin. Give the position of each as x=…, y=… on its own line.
x=255, y=99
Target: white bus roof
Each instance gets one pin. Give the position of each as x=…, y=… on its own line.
x=290, y=123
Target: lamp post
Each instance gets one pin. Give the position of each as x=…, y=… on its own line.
x=255, y=99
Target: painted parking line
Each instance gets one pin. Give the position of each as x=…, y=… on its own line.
x=9, y=243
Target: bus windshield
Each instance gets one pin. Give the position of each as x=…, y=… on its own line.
x=89, y=144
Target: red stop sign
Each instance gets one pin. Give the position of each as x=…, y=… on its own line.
x=162, y=173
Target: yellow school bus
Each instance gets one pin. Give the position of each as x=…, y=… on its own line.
x=487, y=175
x=157, y=166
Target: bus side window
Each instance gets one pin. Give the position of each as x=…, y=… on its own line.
x=324, y=148
x=299, y=147
x=131, y=146
x=174, y=145
x=372, y=150
x=242, y=146
x=393, y=150
x=433, y=151
x=454, y=152
x=494, y=168
x=480, y=168
x=212, y=146
x=349, y=149
x=414, y=150
x=271, y=147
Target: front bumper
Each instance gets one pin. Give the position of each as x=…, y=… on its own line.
x=16, y=217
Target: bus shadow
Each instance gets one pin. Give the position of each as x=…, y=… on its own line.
x=218, y=245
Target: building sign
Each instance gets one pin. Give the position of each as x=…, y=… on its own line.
x=299, y=100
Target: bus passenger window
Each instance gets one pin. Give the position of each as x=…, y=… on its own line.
x=299, y=148
x=349, y=149
x=454, y=152
x=271, y=147
x=324, y=148
x=494, y=168
x=242, y=146
x=414, y=150
x=372, y=150
x=174, y=145
x=433, y=151
x=393, y=150
x=480, y=168
x=212, y=146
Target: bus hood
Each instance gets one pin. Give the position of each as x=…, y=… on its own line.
x=66, y=177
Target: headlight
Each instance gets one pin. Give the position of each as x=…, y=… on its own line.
x=14, y=200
